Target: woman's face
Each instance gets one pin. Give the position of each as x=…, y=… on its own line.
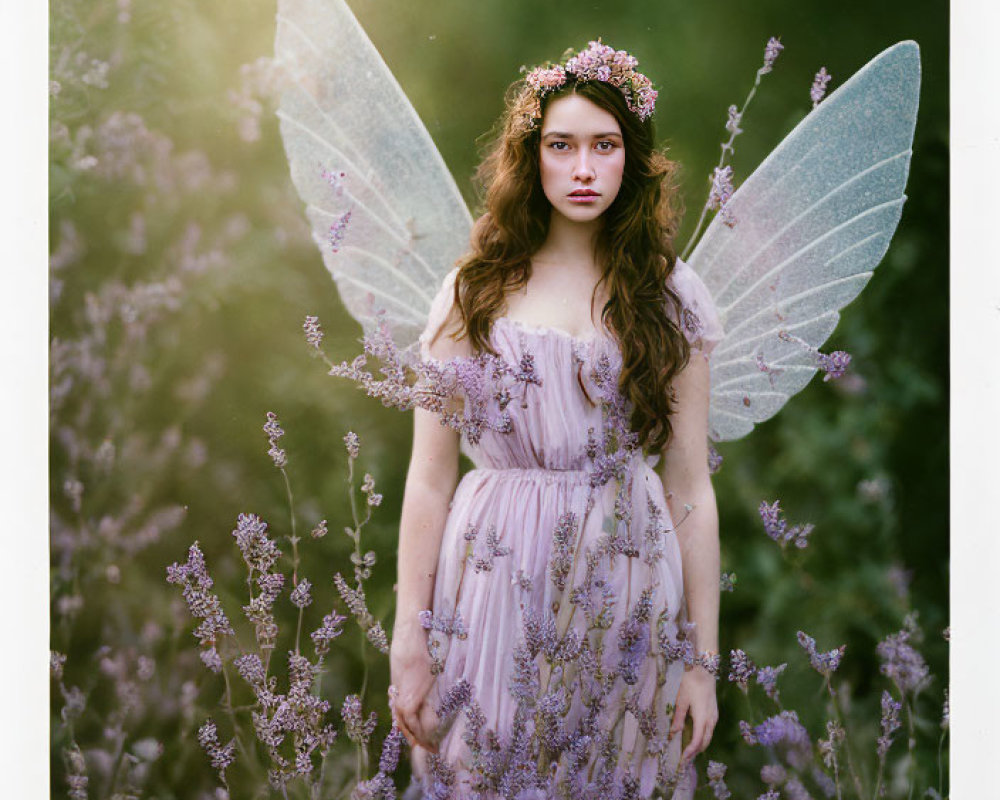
x=582, y=158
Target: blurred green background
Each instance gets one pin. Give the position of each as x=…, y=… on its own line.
x=182, y=270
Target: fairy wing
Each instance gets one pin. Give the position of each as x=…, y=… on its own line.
x=811, y=224
x=383, y=207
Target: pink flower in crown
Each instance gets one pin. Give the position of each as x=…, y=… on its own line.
x=545, y=79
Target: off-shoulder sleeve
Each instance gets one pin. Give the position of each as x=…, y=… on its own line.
x=700, y=318
x=440, y=307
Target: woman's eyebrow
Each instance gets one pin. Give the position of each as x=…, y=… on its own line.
x=565, y=135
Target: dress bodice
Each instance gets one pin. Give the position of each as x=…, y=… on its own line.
x=551, y=420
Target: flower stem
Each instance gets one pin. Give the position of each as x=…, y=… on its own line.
x=847, y=742
x=911, y=744
x=726, y=148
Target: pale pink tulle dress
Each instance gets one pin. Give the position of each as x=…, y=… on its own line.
x=523, y=481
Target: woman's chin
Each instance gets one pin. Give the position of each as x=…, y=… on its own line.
x=581, y=213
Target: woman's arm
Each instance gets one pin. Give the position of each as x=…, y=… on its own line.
x=430, y=483
x=684, y=470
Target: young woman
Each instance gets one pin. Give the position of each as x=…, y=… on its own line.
x=586, y=538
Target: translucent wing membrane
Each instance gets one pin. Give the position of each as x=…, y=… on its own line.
x=384, y=209
x=811, y=223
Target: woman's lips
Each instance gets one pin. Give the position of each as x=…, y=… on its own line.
x=585, y=197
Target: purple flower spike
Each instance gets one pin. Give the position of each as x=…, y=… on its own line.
x=889, y=723
x=824, y=663
x=777, y=528
x=834, y=364
x=771, y=51
x=901, y=662
x=741, y=669
x=818, y=89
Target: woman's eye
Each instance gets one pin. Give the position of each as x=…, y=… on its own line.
x=555, y=145
x=610, y=146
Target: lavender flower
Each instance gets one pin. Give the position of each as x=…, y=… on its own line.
x=358, y=729
x=353, y=444
x=899, y=579
x=451, y=625
x=682, y=646
x=300, y=596
x=493, y=550
x=794, y=790
x=356, y=602
x=825, y=783
x=767, y=677
x=824, y=663
x=901, y=662
x=818, y=89
x=196, y=583
x=368, y=487
x=716, y=773
x=320, y=530
x=56, y=662
x=828, y=747
x=76, y=773
x=834, y=364
x=455, y=699
x=259, y=552
x=259, y=609
x=275, y=432
x=221, y=756
x=714, y=460
x=327, y=632
x=633, y=638
x=251, y=669
x=741, y=669
x=783, y=728
x=777, y=528
x=773, y=774
x=721, y=192
x=524, y=682
x=889, y=723
x=313, y=331
x=771, y=51
x=561, y=557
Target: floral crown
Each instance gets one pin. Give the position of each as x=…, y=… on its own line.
x=598, y=62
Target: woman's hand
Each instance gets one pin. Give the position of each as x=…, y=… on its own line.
x=410, y=671
x=696, y=696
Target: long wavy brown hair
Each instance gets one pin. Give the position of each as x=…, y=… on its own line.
x=634, y=247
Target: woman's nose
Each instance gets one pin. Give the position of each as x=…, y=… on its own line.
x=582, y=167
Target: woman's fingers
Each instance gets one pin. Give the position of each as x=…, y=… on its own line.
x=703, y=728
x=428, y=725
x=694, y=746
x=405, y=729
x=418, y=725
x=680, y=712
